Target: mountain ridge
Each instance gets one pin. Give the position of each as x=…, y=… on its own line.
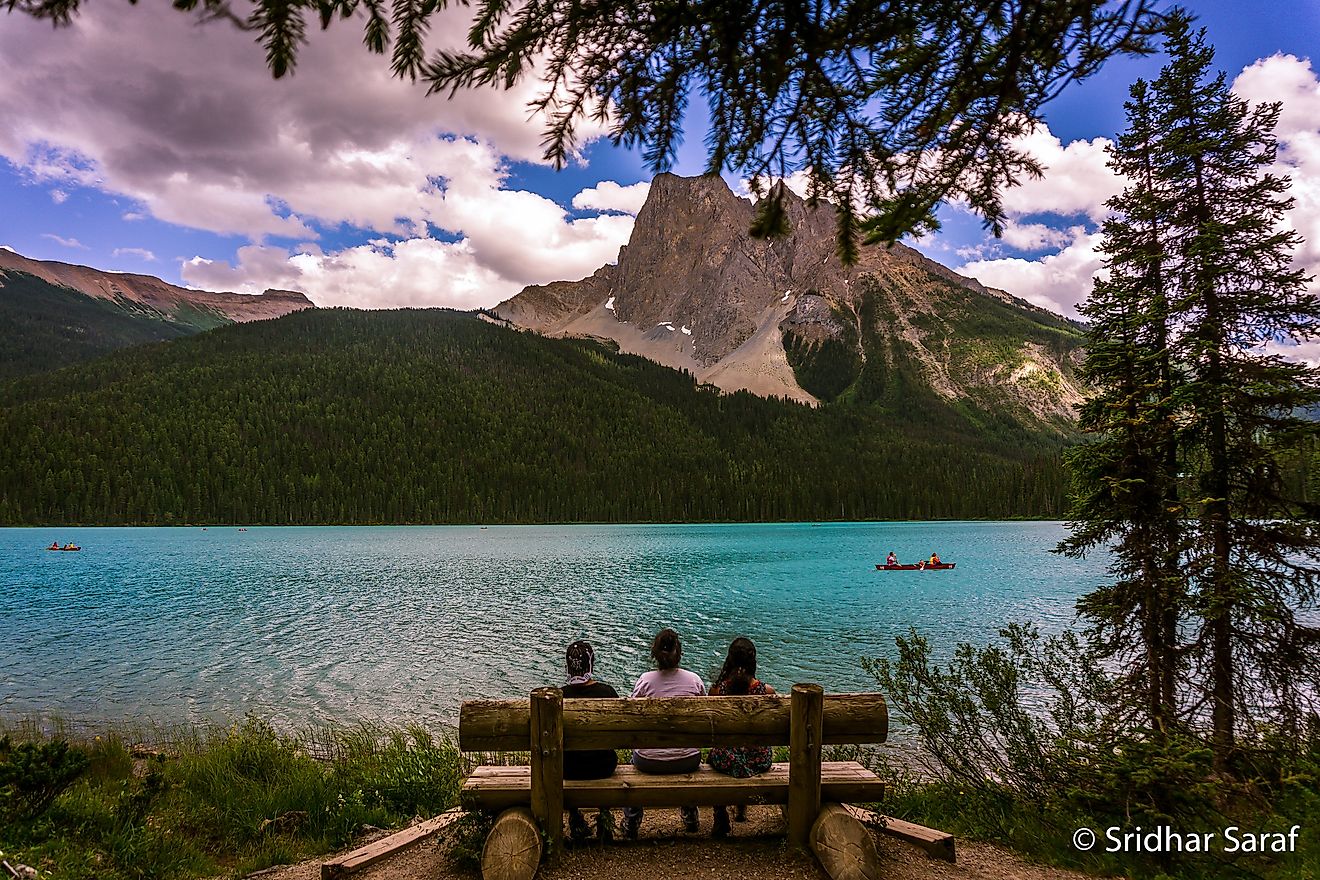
x=155, y=293
x=54, y=314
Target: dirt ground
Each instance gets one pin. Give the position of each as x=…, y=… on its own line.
x=755, y=851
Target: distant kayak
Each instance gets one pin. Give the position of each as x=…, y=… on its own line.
x=64, y=549
x=919, y=567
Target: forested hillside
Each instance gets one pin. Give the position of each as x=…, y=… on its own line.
x=437, y=416
x=44, y=326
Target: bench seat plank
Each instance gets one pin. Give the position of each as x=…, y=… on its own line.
x=498, y=788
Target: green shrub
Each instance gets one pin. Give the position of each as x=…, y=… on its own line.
x=1023, y=743
x=33, y=774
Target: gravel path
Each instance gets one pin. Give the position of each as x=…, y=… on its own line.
x=756, y=851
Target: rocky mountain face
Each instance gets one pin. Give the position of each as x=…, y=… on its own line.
x=146, y=292
x=783, y=317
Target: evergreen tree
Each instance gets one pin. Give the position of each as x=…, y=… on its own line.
x=1251, y=554
x=1198, y=418
x=1125, y=479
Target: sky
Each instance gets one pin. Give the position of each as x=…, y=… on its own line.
x=138, y=140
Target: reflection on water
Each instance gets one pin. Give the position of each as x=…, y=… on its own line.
x=301, y=624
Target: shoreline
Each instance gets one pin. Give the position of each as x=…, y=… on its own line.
x=510, y=525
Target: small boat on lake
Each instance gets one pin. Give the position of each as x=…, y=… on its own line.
x=65, y=549
x=920, y=566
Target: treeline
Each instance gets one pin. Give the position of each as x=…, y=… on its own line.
x=440, y=417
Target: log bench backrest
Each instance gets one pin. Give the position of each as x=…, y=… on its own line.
x=548, y=725
x=671, y=722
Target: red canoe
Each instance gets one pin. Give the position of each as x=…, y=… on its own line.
x=927, y=567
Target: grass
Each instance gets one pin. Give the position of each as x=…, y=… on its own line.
x=217, y=801
x=231, y=800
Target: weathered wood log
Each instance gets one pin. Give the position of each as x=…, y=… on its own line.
x=547, y=744
x=937, y=844
x=685, y=722
x=351, y=863
x=804, y=765
x=497, y=788
x=513, y=847
x=843, y=845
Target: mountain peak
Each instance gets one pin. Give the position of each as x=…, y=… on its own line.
x=784, y=317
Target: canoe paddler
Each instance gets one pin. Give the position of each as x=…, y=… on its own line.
x=891, y=559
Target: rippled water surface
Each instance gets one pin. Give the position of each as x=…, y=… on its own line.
x=304, y=624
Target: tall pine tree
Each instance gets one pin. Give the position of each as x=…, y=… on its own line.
x=1125, y=478
x=1196, y=412
x=1251, y=554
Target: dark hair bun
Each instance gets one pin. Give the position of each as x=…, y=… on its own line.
x=667, y=650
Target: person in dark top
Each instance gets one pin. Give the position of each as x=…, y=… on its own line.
x=580, y=661
x=737, y=678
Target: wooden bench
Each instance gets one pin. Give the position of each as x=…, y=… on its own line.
x=532, y=799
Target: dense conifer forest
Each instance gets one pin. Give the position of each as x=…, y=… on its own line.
x=44, y=326
x=440, y=417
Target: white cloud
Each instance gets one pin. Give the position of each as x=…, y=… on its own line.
x=378, y=274
x=1056, y=281
x=1291, y=80
x=1307, y=352
x=65, y=242
x=610, y=196
x=1076, y=182
x=1035, y=236
x=140, y=253
x=58, y=196
x=341, y=146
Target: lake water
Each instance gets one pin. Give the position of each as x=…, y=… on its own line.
x=398, y=624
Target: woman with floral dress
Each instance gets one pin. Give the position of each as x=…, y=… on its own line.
x=738, y=678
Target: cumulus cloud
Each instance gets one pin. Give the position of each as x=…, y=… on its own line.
x=511, y=238
x=1077, y=183
x=64, y=242
x=185, y=121
x=1292, y=81
x=1057, y=281
x=1036, y=236
x=610, y=196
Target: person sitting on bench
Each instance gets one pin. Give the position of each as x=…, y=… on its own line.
x=666, y=680
x=580, y=661
x=738, y=678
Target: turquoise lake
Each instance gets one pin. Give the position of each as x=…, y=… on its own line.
x=398, y=624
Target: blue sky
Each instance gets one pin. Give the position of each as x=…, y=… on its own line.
x=122, y=150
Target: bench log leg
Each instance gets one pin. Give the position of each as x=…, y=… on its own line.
x=513, y=847
x=548, y=767
x=806, y=715
x=844, y=846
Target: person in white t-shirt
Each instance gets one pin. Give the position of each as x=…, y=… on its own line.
x=668, y=679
